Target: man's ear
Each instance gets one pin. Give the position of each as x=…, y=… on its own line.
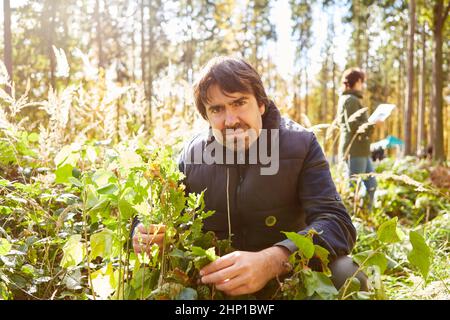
x=262, y=109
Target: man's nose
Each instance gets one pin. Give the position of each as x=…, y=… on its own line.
x=231, y=119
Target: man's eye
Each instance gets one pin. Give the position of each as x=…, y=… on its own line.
x=214, y=110
x=239, y=103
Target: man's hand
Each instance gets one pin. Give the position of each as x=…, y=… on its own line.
x=243, y=272
x=379, y=123
x=143, y=238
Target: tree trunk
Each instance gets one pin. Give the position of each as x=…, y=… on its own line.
x=50, y=33
x=7, y=40
x=422, y=94
x=133, y=50
x=334, y=95
x=324, y=105
x=439, y=16
x=150, y=62
x=189, y=53
x=300, y=79
x=255, y=61
x=409, y=103
x=400, y=92
x=358, y=33
x=143, y=56
x=306, y=88
x=99, y=34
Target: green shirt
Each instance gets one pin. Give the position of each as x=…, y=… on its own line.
x=352, y=143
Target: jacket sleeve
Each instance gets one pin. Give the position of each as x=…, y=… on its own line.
x=322, y=206
x=351, y=106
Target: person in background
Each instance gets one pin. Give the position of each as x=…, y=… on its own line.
x=355, y=130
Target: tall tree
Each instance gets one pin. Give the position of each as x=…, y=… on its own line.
x=7, y=41
x=99, y=33
x=301, y=17
x=409, y=103
x=359, y=15
x=143, y=45
x=440, y=14
x=49, y=22
x=259, y=30
x=422, y=93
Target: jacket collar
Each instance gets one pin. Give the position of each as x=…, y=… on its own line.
x=356, y=93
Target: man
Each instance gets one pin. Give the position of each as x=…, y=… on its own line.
x=253, y=205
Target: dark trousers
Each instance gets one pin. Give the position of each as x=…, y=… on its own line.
x=364, y=165
x=344, y=268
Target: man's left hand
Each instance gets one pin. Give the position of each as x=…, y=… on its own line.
x=243, y=272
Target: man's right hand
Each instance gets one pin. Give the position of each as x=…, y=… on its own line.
x=144, y=238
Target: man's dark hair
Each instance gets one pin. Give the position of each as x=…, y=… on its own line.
x=231, y=75
x=351, y=76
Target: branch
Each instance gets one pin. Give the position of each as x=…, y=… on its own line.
x=445, y=13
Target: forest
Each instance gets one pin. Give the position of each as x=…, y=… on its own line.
x=96, y=103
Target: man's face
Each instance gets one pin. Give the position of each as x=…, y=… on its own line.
x=235, y=118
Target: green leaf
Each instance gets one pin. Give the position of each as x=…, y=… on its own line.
x=350, y=288
x=370, y=258
x=304, y=244
x=420, y=255
x=62, y=155
x=388, y=231
x=177, y=253
x=91, y=154
x=197, y=251
x=91, y=196
x=317, y=282
x=5, y=210
x=5, y=246
x=74, y=252
x=211, y=254
x=103, y=177
x=63, y=173
x=102, y=244
x=4, y=182
x=143, y=208
x=104, y=282
x=67, y=155
x=130, y=159
x=28, y=269
x=125, y=204
x=110, y=189
x=322, y=254
x=33, y=137
x=75, y=182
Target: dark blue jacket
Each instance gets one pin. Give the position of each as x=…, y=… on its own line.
x=257, y=207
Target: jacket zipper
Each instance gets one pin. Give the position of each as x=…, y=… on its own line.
x=238, y=198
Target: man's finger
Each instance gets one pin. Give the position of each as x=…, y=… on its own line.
x=221, y=275
x=219, y=264
x=156, y=228
x=153, y=228
x=144, y=239
x=232, y=284
x=243, y=289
